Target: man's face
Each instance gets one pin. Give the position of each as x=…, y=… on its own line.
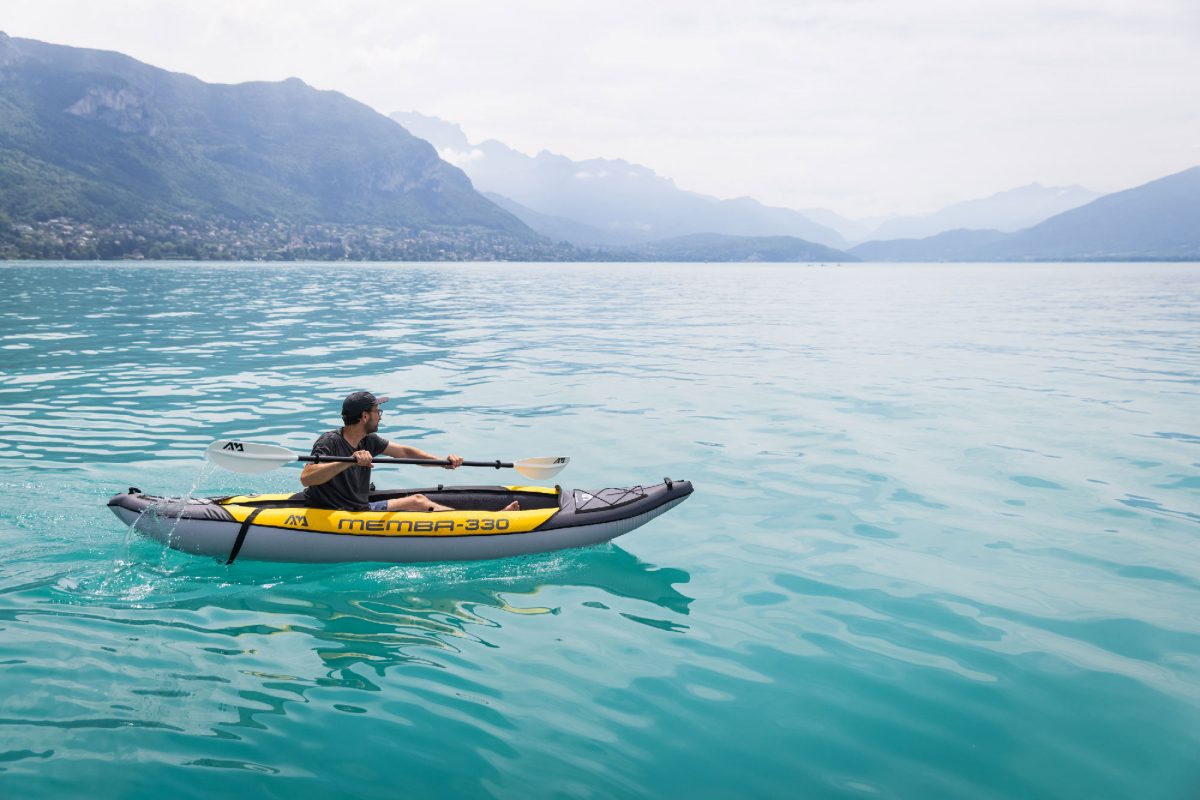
x=373, y=418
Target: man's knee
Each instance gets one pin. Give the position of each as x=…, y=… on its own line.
x=414, y=502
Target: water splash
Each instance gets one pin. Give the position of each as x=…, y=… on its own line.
x=206, y=470
x=128, y=579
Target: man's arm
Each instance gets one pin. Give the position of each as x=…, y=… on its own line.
x=397, y=450
x=316, y=474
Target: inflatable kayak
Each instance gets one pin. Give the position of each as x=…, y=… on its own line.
x=269, y=527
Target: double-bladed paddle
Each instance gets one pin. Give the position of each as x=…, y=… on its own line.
x=251, y=458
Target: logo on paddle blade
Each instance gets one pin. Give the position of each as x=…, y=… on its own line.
x=560, y=460
x=235, y=446
x=297, y=520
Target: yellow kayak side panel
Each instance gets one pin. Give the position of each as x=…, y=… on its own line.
x=243, y=499
x=389, y=523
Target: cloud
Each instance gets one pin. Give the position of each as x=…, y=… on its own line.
x=458, y=157
x=387, y=58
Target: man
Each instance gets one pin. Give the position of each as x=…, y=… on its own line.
x=345, y=485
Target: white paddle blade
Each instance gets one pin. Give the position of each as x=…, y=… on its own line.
x=541, y=469
x=248, y=458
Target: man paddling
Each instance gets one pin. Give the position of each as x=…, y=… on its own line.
x=346, y=486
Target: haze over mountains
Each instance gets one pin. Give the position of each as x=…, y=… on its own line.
x=612, y=202
x=102, y=156
x=1012, y=210
x=603, y=201
x=617, y=202
x=1159, y=220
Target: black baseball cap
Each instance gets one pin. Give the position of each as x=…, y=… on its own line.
x=358, y=402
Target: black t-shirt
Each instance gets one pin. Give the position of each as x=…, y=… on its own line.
x=347, y=491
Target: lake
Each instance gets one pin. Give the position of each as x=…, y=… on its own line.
x=943, y=542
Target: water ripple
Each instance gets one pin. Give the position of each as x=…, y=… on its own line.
x=943, y=543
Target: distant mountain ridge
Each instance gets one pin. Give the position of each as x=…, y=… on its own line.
x=1008, y=211
x=700, y=247
x=1159, y=220
x=627, y=203
x=99, y=137
x=850, y=230
x=613, y=203
x=561, y=229
x=947, y=246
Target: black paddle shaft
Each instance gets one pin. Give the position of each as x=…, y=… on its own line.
x=422, y=461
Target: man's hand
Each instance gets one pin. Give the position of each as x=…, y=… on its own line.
x=363, y=458
x=455, y=461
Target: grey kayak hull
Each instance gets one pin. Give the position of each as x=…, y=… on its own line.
x=204, y=527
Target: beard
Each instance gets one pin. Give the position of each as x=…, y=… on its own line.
x=372, y=425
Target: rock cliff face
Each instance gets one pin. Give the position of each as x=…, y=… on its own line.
x=95, y=136
x=120, y=109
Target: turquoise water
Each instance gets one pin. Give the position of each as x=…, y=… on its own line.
x=943, y=543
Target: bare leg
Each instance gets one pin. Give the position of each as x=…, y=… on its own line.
x=415, y=502
x=513, y=506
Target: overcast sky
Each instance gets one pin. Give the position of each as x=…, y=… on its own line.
x=865, y=107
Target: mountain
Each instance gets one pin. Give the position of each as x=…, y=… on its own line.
x=851, y=230
x=722, y=247
x=693, y=247
x=561, y=229
x=949, y=246
x=1159, y=220
x=1012, y=210
x=98, y=138
x=628, y=202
